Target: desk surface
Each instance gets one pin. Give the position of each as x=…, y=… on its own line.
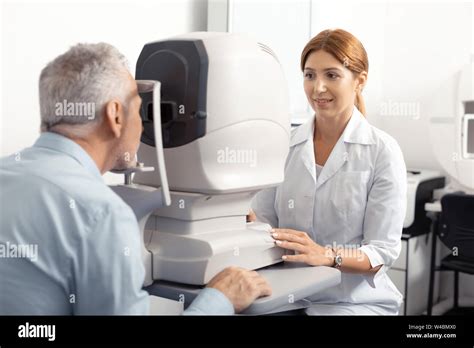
x=297, y=281
x=289, y=282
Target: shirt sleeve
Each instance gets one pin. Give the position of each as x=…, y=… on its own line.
x=109, y=270
x=210, y=301
x=263, y=205
x=385, y=211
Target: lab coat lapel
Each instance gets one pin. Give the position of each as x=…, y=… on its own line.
x=335, y=162
x=303, y=137
x=308, y=158
x=357, y=131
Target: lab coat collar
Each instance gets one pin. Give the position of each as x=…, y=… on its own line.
x=57, y=142
x=357, y=131
x=304, y=135
x=303, y=132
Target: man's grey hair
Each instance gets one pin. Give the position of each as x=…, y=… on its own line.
x=75, y=87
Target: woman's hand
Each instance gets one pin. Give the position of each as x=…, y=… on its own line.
x=309, y=252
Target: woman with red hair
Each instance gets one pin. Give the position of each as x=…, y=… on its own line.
x=343, y=200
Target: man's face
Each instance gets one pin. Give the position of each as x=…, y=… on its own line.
x=130, y=139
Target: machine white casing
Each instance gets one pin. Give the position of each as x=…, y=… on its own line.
x=446, y=134
x=213, y=178
x=467, y=135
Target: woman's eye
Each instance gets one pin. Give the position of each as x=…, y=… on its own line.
x=308, y=75
x=332, y=76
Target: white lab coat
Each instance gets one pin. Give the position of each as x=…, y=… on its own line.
x=359, y=200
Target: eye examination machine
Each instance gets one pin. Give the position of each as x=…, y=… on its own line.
x=456, y=152
x=216, y=131
x=452, y=141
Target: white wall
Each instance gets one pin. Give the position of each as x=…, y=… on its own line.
x=33, y=33
x=415, y=50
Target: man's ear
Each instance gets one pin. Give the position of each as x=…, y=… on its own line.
x=114, y=117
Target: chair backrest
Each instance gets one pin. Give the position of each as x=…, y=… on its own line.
x=456, y=228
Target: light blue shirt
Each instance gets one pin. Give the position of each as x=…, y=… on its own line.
x=68, y=244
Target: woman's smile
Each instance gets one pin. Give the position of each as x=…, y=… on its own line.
x=323, y=103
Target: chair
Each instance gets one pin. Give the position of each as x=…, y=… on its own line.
x=456, y=231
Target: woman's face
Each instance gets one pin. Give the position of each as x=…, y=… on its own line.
x=329, y=86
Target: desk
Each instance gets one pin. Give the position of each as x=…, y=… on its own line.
x=289, y=282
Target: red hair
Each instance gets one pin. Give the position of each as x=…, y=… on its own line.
x=346, y=48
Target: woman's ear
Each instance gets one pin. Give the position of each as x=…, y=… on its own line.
x=113, y=117
x=361, y=81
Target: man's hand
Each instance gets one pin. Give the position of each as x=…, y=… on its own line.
x=240, y=286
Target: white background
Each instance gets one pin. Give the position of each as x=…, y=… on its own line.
x=415, y=49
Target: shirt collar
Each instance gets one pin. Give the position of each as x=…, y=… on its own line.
x=57, y=142
x=357, y=131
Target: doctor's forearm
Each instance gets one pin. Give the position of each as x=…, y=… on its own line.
x=356, y=261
